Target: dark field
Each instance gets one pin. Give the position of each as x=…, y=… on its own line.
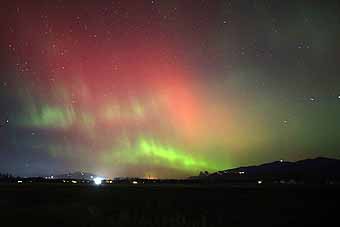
x=167, y=205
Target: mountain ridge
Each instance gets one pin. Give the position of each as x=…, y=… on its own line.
x=320, y=168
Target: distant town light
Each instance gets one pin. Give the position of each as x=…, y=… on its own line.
x=97, y=180
x=241, y=172
x=134, y=182
x=259, y=182
x=281, y=160
x=19, y=181
x=74, y=182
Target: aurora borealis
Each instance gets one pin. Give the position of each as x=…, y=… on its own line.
x=166, y=88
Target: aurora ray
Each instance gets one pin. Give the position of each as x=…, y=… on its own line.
x=170, y=88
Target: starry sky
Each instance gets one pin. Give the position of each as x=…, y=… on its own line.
x=165, y=89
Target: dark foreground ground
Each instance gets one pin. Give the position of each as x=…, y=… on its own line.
x=168, y=205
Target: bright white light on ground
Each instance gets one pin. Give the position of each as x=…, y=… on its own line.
x=19, y=181
x=74, y=182
x=259, y=182
x=97, y=180
x=134, y=182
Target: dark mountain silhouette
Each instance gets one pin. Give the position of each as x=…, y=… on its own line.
x=318, y=169
x=77, y=175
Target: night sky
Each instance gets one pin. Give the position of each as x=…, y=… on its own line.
x=166, y=88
